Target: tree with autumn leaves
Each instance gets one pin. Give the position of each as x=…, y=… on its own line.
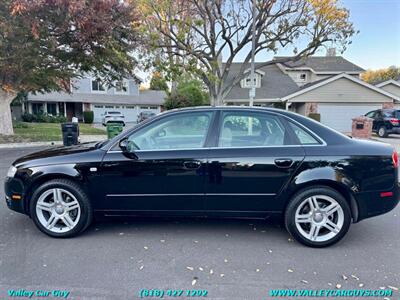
x=192, y=35
x=45, y=43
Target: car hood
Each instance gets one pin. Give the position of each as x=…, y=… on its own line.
x=60, y=155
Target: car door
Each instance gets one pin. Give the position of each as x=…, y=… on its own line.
x=254, y=157
x=163, y=171
x=373, y=115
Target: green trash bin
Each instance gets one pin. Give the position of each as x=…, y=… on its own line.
x=113, y=129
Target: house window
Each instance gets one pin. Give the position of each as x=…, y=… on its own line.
x=121, y=87
x=302, y=77
x=153, y=107
x=129, y=107
x=37, y=108
x=98, y=86
x=144, y=107
x=52, y=109
x=109, y=106
x=98, y=106
x=247, y=82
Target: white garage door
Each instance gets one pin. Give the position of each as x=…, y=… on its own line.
x=129, y=111
x=338, y=115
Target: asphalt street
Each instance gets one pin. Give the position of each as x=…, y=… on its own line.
x=231, y=259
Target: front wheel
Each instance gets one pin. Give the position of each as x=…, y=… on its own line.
x=60, y=208
x=318, y=217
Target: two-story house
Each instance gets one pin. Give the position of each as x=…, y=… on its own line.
x=90, y=93
x=328, y=85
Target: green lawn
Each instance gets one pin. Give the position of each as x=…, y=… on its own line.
x=34, y=132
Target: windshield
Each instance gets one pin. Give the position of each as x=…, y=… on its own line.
x=114, y=113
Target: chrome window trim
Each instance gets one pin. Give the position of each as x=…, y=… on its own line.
x=323, y=143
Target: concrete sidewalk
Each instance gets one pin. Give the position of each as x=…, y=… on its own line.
x=82, y=139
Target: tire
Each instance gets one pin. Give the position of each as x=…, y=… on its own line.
x=319, y=221
x=74, y=206
x=382, y=132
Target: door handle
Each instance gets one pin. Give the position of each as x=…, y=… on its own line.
x=283, y=162
x=194, y=164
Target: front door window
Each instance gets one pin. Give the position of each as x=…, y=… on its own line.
x=185, y=131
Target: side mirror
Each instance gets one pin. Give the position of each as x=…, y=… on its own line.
x=125, y=147
x=123, y=144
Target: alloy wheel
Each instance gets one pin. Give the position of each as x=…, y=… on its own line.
x=319, y=218
x=58, y=210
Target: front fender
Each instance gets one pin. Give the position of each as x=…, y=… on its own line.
x=32, y=177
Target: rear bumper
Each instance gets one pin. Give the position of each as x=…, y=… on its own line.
x=372, y=204
x=13, y=188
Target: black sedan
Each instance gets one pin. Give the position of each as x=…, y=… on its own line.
x=216, y=162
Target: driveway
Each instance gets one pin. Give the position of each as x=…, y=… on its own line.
x=393, y=139
x=126, y=127
x=231, y=259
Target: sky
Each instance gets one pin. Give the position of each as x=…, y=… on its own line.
x=377, y=45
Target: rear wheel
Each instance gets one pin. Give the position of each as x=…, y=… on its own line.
x=382, y=132
x=318, y=217
x=60, y=208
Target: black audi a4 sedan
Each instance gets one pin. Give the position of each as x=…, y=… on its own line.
x=215, y=162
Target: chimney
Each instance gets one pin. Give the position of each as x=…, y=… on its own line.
x=331, y=51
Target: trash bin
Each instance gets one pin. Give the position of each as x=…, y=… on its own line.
x=70, y=133
x=113, y=129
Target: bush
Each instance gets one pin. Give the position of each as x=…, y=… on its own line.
x=88, y=117
x=27, y=117
x=43, y=118
x=188, y=93
x=315, y=116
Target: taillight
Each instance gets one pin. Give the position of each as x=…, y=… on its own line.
x=394, y=121
x=395, y=159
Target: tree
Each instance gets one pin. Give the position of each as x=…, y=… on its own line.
x=189, y=92
x=200, y=31
x=44, y=44
x=375, y=76
x=158, y=82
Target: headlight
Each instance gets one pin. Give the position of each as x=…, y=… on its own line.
x=11, y=171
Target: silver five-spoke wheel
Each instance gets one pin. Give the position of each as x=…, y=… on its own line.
x=319, y=218
x=58, y=210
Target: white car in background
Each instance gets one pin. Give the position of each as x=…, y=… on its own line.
x=113, y=117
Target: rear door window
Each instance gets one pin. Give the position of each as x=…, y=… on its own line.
x=303, y=136
x=248, y=129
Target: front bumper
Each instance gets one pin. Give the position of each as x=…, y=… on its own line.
x=15, y=194
x=372, y=204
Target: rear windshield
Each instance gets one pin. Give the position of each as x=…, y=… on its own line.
x=114, y=113
x=392, y=114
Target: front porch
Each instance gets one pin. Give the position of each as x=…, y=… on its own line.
x=66, y=109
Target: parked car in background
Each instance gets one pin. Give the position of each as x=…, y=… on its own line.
x=385, y=121
x=113, y=117
x=212, y=161
x=145, y=115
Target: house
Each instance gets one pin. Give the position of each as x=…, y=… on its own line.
x=392, y=86
x=328, y=85
x=90, y=94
